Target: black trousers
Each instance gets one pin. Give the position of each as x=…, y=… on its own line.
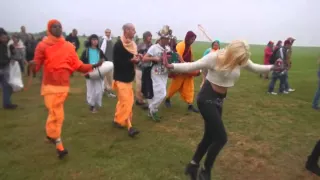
x=215, y=136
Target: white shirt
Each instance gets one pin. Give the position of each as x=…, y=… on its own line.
x=156, y=51
x=220, y=78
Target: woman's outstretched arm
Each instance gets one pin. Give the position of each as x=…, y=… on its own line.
x=206, y=62
x=257, y=68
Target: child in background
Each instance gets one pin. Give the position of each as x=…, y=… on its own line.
x=95, y=87
x=315, y=103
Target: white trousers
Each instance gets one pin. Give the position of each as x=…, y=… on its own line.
x=139, y=94
x=159, y=83
x=94, y=92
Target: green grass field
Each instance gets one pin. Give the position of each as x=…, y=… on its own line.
x=269, y=136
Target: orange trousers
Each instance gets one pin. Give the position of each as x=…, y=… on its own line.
x=123, y=114
x=185, y=85
x=54, y=103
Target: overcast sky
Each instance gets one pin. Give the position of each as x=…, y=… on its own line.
x=257, y=21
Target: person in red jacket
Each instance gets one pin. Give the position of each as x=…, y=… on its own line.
x=267, y=54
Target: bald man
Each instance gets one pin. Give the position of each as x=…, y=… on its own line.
x=23, y=35
x=125, y=57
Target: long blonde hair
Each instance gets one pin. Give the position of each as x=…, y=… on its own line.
x=235, y=54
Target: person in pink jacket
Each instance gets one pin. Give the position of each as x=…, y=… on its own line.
x=267, y=54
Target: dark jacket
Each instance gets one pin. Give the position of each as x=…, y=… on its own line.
x=4, y=56
x=85, y=56
x=74, y=40
x=30, y=48
x=283, y=54
x=123, y=67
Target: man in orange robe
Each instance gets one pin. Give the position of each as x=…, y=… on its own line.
x=125, y=57
x=60, y=60
x=184, y=83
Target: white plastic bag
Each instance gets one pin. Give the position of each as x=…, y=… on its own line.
x=15, y=77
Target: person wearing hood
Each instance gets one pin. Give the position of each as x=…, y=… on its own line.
x=4, y=70
x=142, y=49
x=184, y=83
x=215, y=46
x=278, y=45
x=107, y=48
x=59, y=59
x=93, y=55
x=268, y=51
x=159, y=73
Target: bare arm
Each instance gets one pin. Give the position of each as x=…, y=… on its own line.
x=206, y=62
x=257, y=68
x=147, y=58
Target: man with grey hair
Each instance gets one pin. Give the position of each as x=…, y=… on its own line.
x=107, y=48
x=142, y=49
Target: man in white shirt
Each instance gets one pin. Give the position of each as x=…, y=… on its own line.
x=107, y=48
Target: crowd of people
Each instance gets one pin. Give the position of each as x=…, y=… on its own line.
x=149, y=65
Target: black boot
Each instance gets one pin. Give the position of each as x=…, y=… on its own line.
x=312, y=162
x=205, y=174
x=167, y=103
x=133, y=132
x=191, y=108
x=192, y=171
x=62, y=154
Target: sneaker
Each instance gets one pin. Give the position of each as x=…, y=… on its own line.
x=133, y=132
x=204, y=175
x=154, y=116
x=273, y=93
x=285, y=92
x=191, y=108
x=316, y=107
x=111, y=94
x=192, y=171
x=62, y=154
x=167, y=103
x=93, y=109
x=291, y=90
x=11, y=106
